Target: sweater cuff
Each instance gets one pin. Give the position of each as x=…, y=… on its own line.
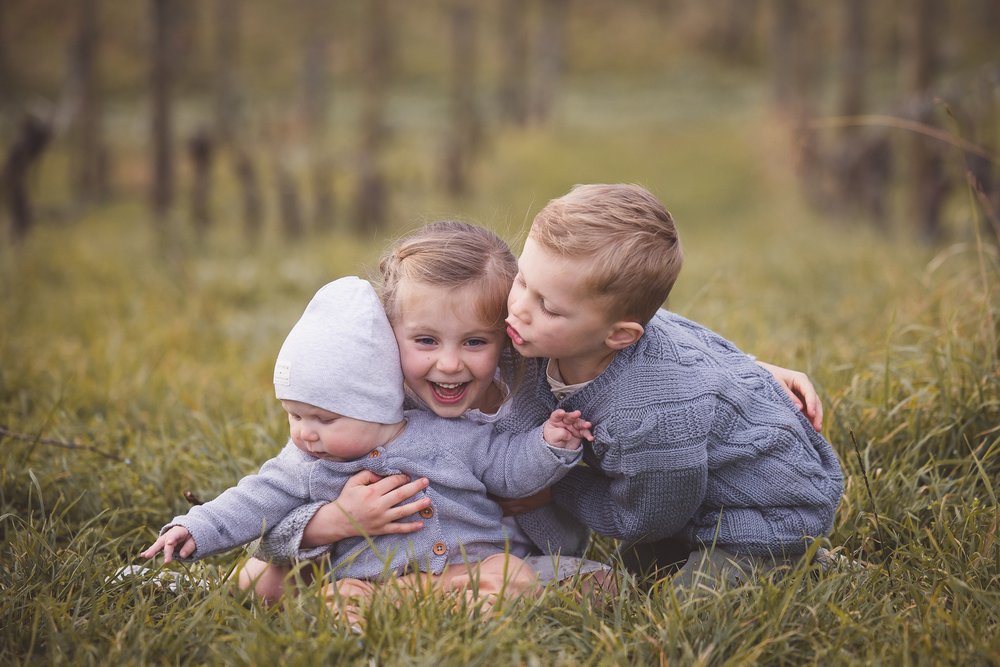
x=282, y=544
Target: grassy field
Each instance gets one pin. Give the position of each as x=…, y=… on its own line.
x=136, y=364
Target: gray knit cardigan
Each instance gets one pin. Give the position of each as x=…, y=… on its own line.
x=463, y=461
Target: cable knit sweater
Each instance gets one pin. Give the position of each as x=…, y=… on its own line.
x=692, y=439
x=463, y=461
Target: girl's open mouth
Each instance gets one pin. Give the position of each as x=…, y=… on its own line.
x=449, y=392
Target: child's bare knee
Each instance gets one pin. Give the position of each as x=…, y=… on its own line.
x=266, y=579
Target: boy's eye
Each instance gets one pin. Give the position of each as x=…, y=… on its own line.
x=541, y=304
x=295, y=417
x=327, y=420
x=519, y=279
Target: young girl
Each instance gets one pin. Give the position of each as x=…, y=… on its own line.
x=445, y=289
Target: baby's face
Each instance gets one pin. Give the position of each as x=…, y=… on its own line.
x=327, y=435
x=449, y=357
x=552, y=312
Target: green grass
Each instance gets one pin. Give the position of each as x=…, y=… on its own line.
x=152, y=354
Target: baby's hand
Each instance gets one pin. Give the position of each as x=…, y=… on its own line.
x=565, y=429
x=168, y=541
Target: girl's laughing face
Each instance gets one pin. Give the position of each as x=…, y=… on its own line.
x=449, y=357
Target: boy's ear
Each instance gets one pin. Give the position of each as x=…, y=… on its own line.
x=623, y=334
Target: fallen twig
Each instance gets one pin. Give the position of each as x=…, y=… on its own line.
x=65, y=444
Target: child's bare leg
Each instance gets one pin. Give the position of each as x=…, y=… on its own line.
x=498, y=575
x=346, y=597
x=267, y=580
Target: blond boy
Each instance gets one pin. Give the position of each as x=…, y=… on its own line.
x=697, y=450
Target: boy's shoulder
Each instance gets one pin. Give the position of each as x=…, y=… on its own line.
x=672, y=339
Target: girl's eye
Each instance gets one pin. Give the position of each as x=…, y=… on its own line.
x=476, y=342
x=424, y=340
x=541, y=304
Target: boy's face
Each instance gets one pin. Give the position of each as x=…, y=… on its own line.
x=327, y=435
x=552, y=313
x=449, y=357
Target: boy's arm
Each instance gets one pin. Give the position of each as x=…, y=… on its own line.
x=239, y=514
x=517, y=465
x=646, y=505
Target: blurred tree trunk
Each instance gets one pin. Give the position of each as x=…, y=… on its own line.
x=465, y=134
x=784, y=25
x=90, y=181
x=228, y=112
x=861, y=157
x=512, y=94
x=161, y=74
x=852, y=52
x=288, y=202
x=734, y=31
x=32, y=137
x=795, y=69
x=928, y=182
x=6, y=71
x=372, y=205
x=551, y=58
x=315, y=108
x=230, y=120
x=252, y=205
x=201, y=149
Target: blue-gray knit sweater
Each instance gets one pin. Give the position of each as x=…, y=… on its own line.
x=692, y=439
x=463, y=461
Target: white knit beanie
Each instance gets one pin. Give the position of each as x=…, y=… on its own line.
x=341, y=356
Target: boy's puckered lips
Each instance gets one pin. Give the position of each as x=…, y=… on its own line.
x=514, y=335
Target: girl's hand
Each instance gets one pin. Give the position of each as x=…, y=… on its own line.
x=168, y=541
x=565, y=429
x=800, y=390
x=367, y=506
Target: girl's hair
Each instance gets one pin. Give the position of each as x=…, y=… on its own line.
x=451, y=255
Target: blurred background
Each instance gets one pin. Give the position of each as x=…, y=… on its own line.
x=178, y=178
x=294, y=118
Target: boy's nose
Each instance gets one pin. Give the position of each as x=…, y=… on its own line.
x=516, y=305
x=308, y=433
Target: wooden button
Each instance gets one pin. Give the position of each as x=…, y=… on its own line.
x=427, y=512
x=440, y=548
x=374, y=454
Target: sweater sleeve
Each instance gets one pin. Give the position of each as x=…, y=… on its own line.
x=518, y=465
x=653, y=502
x=241, y=513
x=283, y=543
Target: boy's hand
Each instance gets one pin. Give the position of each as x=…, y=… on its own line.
x=515, y=506
x=565, y=429
x=368, y=505
x=178, y=536
x=800, y=390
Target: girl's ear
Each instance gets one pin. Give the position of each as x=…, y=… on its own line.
x=623, y=334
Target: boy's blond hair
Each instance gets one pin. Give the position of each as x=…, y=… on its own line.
x=625, y=235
